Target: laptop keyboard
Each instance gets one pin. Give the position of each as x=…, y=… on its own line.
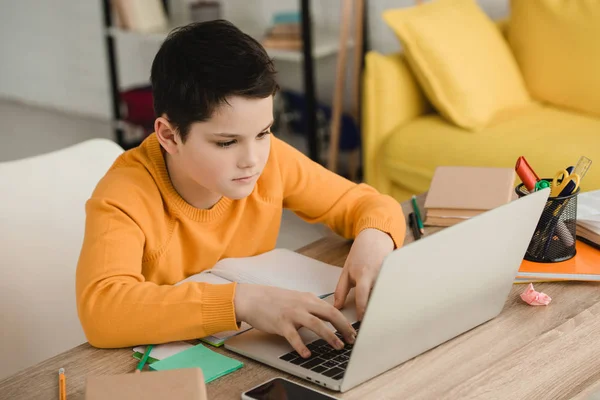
x=324, y=359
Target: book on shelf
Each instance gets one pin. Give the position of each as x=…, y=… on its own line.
x=144, y=16
x=282, y=43
x=285, y=32
x=290, y=30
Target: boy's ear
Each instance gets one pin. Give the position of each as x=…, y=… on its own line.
x=166, y=134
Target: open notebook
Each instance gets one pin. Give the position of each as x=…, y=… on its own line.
x=588, y=217
x=280, y=267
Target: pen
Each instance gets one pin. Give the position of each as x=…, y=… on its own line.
x=62, y=384
x=418, y=215
x=142, y=362
x=412, y=221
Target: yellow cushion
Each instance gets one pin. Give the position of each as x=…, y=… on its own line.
x=460, y=59
x=391, y=97
x=411, y=153
x=557, y=45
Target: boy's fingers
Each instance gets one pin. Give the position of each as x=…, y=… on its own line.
x=317, y=326
x=363, y=289
x=331, y=314
x=342, y=289
x=293, y=337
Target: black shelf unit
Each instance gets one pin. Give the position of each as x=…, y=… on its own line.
x=307, y=66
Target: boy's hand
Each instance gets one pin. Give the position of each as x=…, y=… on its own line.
x=362, y=266
x=281, y=311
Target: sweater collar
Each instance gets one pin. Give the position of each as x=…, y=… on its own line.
x=158, y=169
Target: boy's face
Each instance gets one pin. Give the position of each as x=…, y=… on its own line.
x=227, y=153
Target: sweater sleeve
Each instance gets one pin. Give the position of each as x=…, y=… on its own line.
x=118, y=308
x=318, y=195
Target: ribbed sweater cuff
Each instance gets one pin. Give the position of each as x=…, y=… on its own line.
x=218, y=309
x=394, y=228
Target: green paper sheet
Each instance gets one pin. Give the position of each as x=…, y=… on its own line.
x=213, y=365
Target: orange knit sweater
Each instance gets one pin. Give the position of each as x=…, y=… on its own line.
x=141, y=238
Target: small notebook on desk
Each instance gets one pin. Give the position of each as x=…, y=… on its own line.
x=459, y=193
x=588, y=218
x=212, y=364
x=280, y=267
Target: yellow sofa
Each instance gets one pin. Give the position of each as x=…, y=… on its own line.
x=405, y=139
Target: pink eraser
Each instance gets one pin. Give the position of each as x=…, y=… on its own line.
x=533, y=298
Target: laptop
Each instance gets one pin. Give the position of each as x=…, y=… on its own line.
x=467, y=272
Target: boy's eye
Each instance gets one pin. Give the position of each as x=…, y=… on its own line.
x=232, y=142
x=226, y=144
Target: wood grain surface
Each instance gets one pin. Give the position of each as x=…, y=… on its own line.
x=550, y=352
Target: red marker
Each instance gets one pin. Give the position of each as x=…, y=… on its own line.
x=526, y=173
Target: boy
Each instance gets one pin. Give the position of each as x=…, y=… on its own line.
x=211, y=183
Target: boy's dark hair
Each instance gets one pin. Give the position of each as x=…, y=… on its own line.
x=199, y=65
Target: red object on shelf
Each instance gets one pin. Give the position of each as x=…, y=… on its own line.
x=138, y=106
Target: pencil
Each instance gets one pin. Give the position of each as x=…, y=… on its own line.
x=142, y=362
x=418, y=214
x=62, y=384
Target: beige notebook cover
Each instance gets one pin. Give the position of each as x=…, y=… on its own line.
x=454, y=213
x=184, y=384
x=470, y=188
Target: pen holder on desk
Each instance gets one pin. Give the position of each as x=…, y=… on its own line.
x=554, y=237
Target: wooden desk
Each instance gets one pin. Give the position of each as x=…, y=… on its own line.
x=526, y=352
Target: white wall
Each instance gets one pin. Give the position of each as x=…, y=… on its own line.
x=52, y=54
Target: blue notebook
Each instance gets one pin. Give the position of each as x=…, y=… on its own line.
x=212, y=364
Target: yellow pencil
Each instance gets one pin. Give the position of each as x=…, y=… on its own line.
x=62, y=384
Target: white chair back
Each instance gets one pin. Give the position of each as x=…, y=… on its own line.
x=42, y=219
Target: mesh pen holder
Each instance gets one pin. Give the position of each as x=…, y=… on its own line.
x=554, y=237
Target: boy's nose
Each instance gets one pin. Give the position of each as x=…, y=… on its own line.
x=249, y=159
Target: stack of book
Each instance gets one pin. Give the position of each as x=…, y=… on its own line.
x=285, y=32
x=459, y=193
x=588, y=218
